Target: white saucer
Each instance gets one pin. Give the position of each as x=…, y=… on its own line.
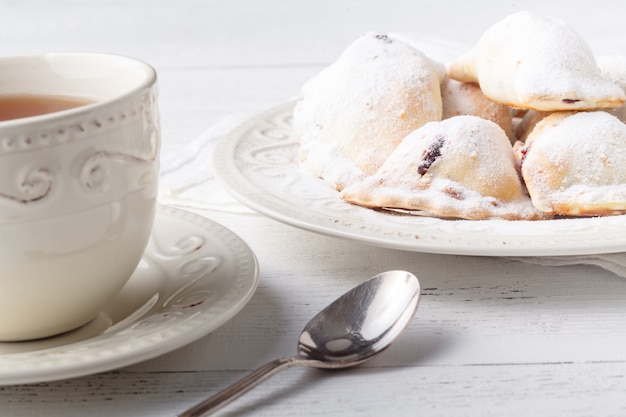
x=195, y=275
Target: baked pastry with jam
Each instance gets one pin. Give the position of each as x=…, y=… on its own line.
x=354, y=113
x=574, y=164
x=536, y=62
x=462, y=167
x=466, y=99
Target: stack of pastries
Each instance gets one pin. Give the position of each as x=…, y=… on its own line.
x=527, y=125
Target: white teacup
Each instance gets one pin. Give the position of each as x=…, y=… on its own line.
x=77, y=188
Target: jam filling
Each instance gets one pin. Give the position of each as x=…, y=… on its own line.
x=384, y=38
x=431, y=154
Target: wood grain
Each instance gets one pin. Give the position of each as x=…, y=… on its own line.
x=492, y=337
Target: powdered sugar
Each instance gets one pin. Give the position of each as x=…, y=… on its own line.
x=467, y=99
x=613, y=68
x=532, y=61
x=471, y=173
x=369, y=125
x=359, y=108
x=576, y=163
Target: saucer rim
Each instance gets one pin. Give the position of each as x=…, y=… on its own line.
x=62, y=366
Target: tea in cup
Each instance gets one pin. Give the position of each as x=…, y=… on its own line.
x=79, y=162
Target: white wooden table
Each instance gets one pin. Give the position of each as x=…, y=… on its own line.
x=492, y=336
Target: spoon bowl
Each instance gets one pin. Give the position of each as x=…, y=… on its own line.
x=363, y=322
x=351, y=330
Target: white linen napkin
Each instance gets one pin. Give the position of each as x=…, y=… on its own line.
x=613, y=262
x=187, y=178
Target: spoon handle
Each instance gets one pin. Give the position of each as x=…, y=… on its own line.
x=224, y=397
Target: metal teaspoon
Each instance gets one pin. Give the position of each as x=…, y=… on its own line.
x=358, y=325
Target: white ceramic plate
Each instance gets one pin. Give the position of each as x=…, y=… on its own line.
x=258, y=164
x=195, y=275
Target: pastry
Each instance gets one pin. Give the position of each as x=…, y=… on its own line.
x=355, y=112
x=535, y=62
x=574, y=164
x=528, y=122
x=461, y=167
x=460, y=99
